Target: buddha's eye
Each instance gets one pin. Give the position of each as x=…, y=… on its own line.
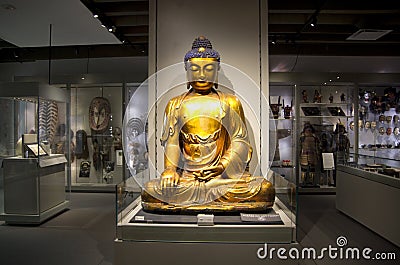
x=194, y=68
x=209, y=67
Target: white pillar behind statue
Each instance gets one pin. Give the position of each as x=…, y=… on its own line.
x=238, y=33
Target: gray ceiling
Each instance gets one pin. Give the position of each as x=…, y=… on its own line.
x=76, y=34
x=26, y=23
x=290, y=26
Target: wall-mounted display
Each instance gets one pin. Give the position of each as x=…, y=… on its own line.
x=381, y=112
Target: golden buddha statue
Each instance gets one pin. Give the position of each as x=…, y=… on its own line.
x=207, y=150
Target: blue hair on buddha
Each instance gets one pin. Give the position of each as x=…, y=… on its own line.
x=202, y=48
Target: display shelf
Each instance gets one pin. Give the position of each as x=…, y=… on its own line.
x=282, y=119
x=324, y=104
x=323, y=117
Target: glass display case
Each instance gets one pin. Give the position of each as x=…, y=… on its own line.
x=324, y=115
x=314, y=133
x=276, y=224
x=34, y=151
x=96, y=128
x=372, y=178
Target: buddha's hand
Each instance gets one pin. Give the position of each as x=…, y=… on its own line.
x=169, y=180
x=209, y=173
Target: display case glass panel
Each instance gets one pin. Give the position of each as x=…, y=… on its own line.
x=282, y=100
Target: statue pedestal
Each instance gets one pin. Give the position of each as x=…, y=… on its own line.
x=179, y=228
x=136, y=230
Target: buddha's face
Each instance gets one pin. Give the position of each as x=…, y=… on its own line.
x=202, y=73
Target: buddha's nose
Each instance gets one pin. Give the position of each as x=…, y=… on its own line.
x=202, y=76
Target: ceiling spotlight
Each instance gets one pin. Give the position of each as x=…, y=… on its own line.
x=313, y=22
x=110, y=29
x=103, y=25
x=273, y=40
x=337, y=77
x=83, y=78
x=95, y=16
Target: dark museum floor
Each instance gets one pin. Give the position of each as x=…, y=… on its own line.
x=85, y=233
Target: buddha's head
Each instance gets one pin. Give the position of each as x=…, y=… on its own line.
x=202, y=65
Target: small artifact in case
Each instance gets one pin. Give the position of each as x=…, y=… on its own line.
x=84, y=171
x=336, y=111
x=311, y=111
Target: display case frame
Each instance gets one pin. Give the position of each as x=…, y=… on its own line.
x=135, y=226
